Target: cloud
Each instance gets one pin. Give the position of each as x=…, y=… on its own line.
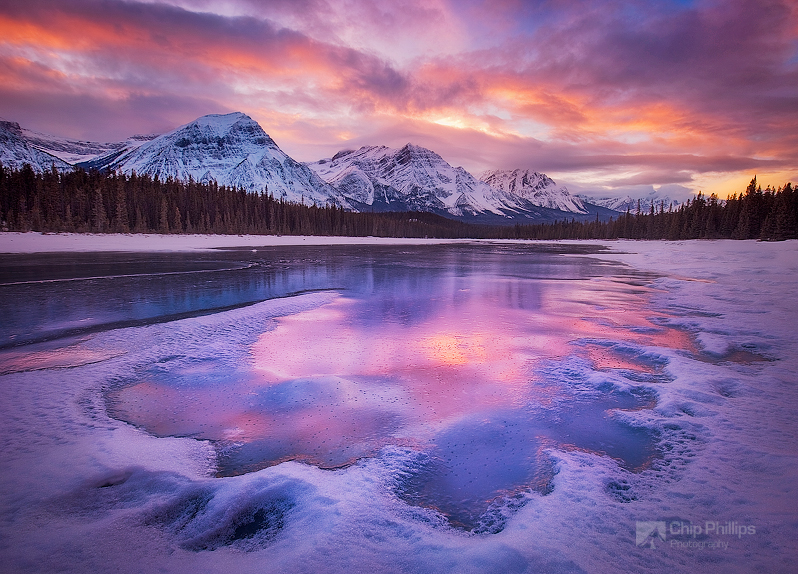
x=624, y=92
x=126, y=49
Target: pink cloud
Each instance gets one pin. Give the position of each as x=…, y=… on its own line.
x=667, y=91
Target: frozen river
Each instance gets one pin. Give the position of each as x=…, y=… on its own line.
x=401, y=408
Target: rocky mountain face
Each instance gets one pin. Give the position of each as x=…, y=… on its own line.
x=231, y=149
x=534, y=187
x=16, y=150
x=415, y=178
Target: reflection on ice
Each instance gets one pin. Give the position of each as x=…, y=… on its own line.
x=472, y=364
x=422, y=398
x=477, y=462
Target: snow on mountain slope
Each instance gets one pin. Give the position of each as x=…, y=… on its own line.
x=70, y=151
x=122, y=149
x=16, y=150
x=534, y=187
x=231, y=149
x=625, y=203
x=412, y=178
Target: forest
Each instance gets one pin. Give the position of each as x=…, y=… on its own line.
x=96, y=202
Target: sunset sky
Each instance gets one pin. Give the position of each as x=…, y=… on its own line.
x=604, y=96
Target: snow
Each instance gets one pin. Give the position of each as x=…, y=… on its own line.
x=710, y=325
x=535, y=187
x=231, y=149
x=34, y=242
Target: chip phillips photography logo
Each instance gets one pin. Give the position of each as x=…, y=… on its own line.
x=648, y=531
x=711, y=534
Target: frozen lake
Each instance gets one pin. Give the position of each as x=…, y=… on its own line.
x=402, y=408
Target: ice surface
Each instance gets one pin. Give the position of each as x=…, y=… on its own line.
x=33, y=242
x=587, y=396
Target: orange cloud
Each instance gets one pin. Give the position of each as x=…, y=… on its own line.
x=583, y=92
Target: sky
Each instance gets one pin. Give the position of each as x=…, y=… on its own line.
x=607, y=97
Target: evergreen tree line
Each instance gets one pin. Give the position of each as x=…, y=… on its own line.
x=82, y=201
x=768, y=215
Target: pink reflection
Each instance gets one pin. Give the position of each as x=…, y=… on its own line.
x=470, y=357
x=355, y=385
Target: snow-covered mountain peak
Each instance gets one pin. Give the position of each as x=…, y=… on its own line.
x=220, y=131
x=535, y=187
x=16, y=150
x=230, y=149
x=221, y=123
x=409, y=178
x=410, y=152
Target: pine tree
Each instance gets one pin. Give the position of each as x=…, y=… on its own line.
x=100, y=216
x=163, y=225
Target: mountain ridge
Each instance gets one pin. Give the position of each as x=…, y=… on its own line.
x=535, y=187
x=16, y=150
x=233, y=150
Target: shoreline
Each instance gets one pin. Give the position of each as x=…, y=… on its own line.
x=29, y=242
x=17, y=242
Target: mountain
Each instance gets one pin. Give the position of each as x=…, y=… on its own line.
x=231, y=149
x=413, y=178
x=533, y=187
x=70, y=151
x=622, y=204
x=124, y=148
x=19, y=145
x=16, y=150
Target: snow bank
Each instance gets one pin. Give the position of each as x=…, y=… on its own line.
x=33, y=242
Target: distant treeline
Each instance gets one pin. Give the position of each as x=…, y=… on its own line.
x=96, y=202
x=769, y=215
